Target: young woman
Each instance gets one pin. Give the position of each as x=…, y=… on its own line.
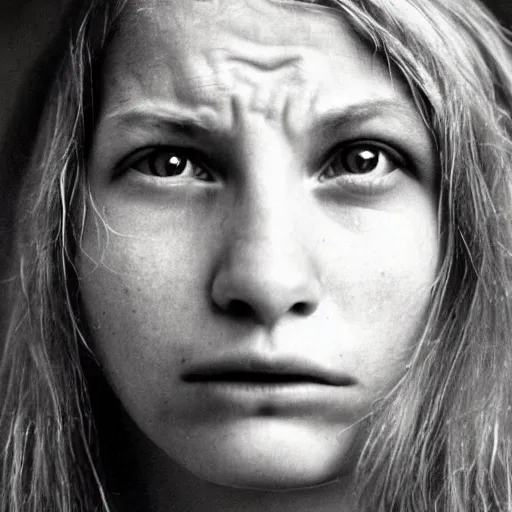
x=263, y=262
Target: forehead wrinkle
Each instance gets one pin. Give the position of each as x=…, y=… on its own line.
x=267, y=62
x=294, y=51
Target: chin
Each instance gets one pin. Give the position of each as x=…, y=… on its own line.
x=282, y=460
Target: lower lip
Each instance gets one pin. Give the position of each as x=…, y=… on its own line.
x=281, y=395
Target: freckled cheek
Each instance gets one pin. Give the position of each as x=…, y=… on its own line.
x=142, y=333
x=142, y=294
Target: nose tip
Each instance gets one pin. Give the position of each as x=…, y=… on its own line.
x=265, y=293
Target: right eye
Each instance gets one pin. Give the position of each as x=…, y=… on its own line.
x=168, y=163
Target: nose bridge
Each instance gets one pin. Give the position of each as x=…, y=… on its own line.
x=269, y=192
x=266, y=229
x=267, y=268
x=268, y=232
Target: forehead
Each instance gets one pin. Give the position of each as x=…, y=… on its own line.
x=241, y=15
x=188, y=50
x=200, y=23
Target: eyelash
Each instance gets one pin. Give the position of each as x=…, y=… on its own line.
x=182, y=158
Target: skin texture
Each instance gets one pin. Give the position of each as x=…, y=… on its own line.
x=266, y=246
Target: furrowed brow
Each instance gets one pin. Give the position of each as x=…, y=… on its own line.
x=178, y=120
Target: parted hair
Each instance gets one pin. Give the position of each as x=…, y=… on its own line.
x=440, y=440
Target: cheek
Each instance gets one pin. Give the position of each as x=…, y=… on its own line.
x=386, y=269
x=143, y=293
x=380, y=286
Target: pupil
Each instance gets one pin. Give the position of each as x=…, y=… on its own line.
x=365, y=161
x=175, y=165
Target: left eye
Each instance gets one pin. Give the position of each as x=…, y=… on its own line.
x=361, y=159
x=168, y=163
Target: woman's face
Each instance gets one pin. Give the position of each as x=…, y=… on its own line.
x=258, y=262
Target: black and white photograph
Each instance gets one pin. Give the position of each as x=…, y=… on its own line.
x=256, y=256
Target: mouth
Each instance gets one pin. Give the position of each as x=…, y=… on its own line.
x=234, y=377
x=264, y=371
x=263, y=385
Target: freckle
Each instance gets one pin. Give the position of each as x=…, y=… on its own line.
x=183, y=360
x=134, y=311
x=126, y=290
x=103, y=313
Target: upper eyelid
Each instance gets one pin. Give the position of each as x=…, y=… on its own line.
x=134, y=157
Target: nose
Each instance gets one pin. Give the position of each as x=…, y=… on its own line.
x=267, y=270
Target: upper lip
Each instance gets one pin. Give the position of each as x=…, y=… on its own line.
x=261, y=369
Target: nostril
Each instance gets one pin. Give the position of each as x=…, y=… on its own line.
x=303, y=308
x=240, y=309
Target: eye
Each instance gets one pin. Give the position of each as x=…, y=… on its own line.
x=168, y=163
x=363, y=159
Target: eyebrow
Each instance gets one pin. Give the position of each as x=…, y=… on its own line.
x=161, y=116
x=361, y=113
x=179, y=120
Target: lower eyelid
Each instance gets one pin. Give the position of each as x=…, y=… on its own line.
x=354, y=184
x=156, y=184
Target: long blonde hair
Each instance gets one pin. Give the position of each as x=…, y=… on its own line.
x=441, y=440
